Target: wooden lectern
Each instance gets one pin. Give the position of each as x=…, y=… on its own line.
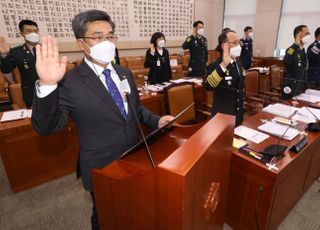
x=187, y=189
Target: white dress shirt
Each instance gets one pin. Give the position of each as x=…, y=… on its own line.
x=45, y=90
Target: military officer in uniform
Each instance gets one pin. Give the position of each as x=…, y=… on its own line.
x=246, y=47
x=225, y=78
x=314, y=60
x=295, y=61
x=198, y=48
x=23, y=57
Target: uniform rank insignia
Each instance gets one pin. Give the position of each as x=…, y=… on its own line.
x=290, y=51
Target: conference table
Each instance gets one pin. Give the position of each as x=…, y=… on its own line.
x=31, y=159
x=259, y=196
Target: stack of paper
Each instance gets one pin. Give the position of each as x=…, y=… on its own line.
x=280, y=110
x=307, y=115
x=250, y=134
x=279, y=130
x=260, y=69
x=308, y=98
x=313, y=92
x=158, y=87
x=16, y=115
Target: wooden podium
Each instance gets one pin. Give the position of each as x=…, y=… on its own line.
x=187, y=189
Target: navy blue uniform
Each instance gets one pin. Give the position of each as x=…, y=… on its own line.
x=228, y=89
x=295, y=75
x=21, y=57
x=198, y=48
x=314, y=63
x=246, y=52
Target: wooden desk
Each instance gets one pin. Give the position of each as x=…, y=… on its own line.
x=186, y=190
x=275, y=192
x=30, y=159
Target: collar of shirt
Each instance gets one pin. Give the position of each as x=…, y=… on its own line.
x=98, y=71
x=30, y=48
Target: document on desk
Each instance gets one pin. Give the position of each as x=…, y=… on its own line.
x=250, y=134
x=279, y=130
x=309, y=98
x=281, y=110
x=313, y=92
x=16, y=115
x=307, y=115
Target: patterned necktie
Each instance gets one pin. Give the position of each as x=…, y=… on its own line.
x=114, y=92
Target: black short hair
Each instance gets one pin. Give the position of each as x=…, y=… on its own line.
x=226, y=29
x=222, y=39
x=196, y=23
x=155, y=36
x=247, y=28
x=317, y=32
x=81, y=20
x=26, y=22
x=298, y=29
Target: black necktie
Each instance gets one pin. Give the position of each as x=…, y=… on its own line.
x=34, y=53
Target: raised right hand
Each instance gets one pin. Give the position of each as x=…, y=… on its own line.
x=4, y=47
x=152, y=49
x=226, y=58
x=49, y=68
x=298, y=40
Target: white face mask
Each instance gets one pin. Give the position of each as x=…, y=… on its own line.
x=251, y=34
x=161, y=43
x=235, y=51
x=103, y=52
x=200, y=31
x=32, y=37
x=306, y=39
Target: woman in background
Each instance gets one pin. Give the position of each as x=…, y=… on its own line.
x=157, y=59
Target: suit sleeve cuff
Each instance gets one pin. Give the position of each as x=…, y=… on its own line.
x=45, y=90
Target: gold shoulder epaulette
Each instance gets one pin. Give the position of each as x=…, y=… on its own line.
x=290, y=51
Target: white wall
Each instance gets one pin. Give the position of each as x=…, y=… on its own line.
x=266, y=27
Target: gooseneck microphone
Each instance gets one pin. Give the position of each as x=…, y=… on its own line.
x=125, y=89
x=313, y=126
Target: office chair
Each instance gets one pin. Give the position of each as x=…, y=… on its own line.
x=178, y=97
x=15, y=94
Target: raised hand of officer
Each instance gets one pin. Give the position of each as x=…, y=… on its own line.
x=152, y=48
x=50, y=67
x=226, y=58
x=298, y=40
x=4, y=47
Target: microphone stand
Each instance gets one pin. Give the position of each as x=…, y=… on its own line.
x=141, y=132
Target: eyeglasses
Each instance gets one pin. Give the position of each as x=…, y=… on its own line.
x=103, y=38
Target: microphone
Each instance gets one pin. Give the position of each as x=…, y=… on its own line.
x=126, y=90
x=313, y=126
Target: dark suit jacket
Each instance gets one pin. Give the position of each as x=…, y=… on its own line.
x=229, y=94
x=295, y=75
x=103, y=132
x=198, y=48
x=22, y=58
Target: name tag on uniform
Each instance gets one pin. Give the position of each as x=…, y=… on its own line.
x=158, y=63
x=228, y=78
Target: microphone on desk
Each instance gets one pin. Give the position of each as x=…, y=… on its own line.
x=313, y=126
x=126, y=90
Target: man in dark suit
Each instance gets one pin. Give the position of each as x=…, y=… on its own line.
x=91, y=95
x=225, y=78
x=23, y=57
x=198, y=47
